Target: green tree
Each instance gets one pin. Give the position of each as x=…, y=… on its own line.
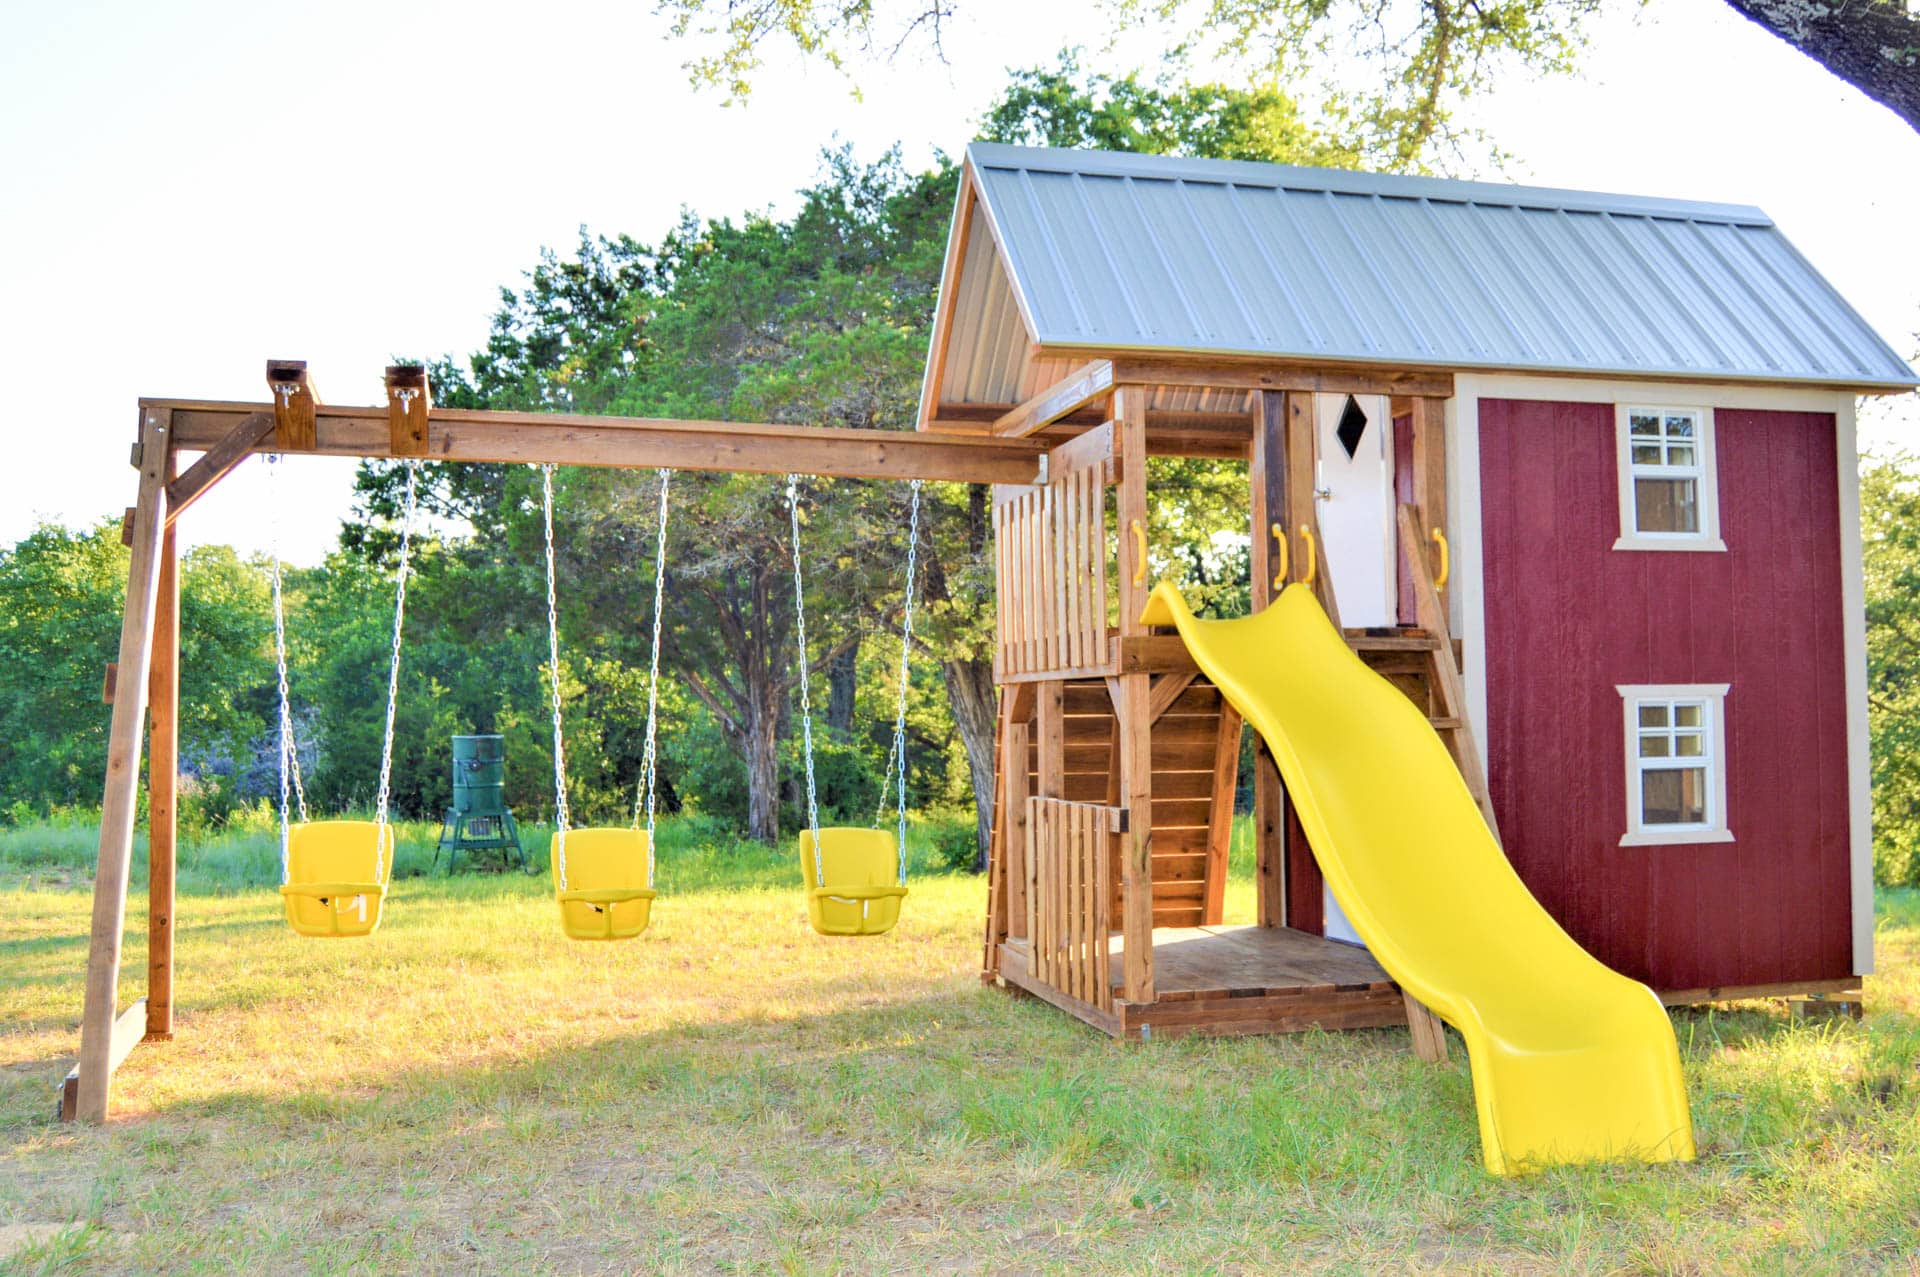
x=61, y=596
x=1890, y=519
x=1423, y=59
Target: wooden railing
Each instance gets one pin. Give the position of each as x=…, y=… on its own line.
x=1051, y=547
x=1070, y=852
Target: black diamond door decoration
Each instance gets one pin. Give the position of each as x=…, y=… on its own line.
x=1353, y=424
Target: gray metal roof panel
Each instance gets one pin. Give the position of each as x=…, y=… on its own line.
x=1110, y=251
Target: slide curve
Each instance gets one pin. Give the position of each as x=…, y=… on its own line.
x=1572, y=1061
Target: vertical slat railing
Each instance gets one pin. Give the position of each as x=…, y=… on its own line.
x=1051, y=560
x=1069, y=897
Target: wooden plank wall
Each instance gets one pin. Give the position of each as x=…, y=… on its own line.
x=1184, y=741
x=1051, y=573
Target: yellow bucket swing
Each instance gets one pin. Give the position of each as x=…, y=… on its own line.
x=855, y=878
x=334, y=874
x=603, y=878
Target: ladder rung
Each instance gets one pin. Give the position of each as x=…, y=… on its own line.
x=1447, y=724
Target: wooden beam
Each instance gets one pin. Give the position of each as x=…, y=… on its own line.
x=217, y=462
x=128, y=1028
x=1271, y=538
x=948, y=297
x=1166, y=690
x=1223, y=374
x=639, y=442
x=1429, y=1034
x=1430, y=460
x=1303, y=506
x=163, y=775
x=1073, y=392
x=1226, y=771
x=118, y=802
x=294, y=403
x=1050, y=726
x=1014, y=775
x=1135, y=717
x=409, y=399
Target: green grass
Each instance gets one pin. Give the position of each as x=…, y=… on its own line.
x=468, y=1091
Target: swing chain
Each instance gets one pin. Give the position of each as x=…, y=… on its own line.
x=649, y=755
x=560, y=814
x=393, y=671
x=806, y=696
x=289, y=751
x=897, y=755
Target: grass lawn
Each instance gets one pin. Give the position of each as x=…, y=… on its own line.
x=468, y=1091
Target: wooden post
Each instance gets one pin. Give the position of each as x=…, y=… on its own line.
x=1136, y=714
x=1019, y=867
x=1430, y=461
x=163, y=774
x=117, y=803
x=1050, y=723
x=295, y=405
x=408, y=400
x=1267, y=479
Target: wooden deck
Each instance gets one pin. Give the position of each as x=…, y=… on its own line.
x=1235, y=980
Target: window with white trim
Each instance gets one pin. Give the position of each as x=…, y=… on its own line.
x=1676, y=763
x=1669, y=498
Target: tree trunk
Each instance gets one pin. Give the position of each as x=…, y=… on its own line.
x=1874, y=45
x=760, y=752
x=975, y=705
x=843, y=673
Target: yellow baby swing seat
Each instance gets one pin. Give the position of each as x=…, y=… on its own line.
x=601, y=883
x=337, y=876
x=860, y=896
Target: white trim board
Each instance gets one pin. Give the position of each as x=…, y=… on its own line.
x=1853, y=642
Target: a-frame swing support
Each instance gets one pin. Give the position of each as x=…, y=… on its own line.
x=144, y=681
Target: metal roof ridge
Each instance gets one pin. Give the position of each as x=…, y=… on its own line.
x=1355, y=182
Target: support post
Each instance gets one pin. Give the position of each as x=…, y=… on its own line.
x=117, y=803
x=163, y=775
x=1430, y=461
x=1271, y=533
x=1136, y=715
x=1050, y=724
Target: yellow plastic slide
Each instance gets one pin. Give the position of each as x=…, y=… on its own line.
x=1572, y=1062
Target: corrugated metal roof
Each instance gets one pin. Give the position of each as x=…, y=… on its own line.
x=1118, y=252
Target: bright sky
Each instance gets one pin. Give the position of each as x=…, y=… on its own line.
x=187, y=189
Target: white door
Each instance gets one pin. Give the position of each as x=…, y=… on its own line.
x=1354, y=497
x=1354, y=487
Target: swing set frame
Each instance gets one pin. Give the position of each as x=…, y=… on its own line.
x=143, y=684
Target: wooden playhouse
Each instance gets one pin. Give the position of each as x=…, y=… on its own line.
x=1575, y=471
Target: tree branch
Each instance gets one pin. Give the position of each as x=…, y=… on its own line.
x=1874, y=45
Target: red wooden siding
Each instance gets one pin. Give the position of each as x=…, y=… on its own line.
x=1568, y=618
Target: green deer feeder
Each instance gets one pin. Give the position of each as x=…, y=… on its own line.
x=479, y=819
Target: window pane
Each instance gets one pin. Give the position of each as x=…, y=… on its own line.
x=1645, y=424
x=1679, y=454
x=1687, y=714
x=1653, y=744
x=1646, y=454
x=1673, y=797
x=1680, y=427
x=1689, y=745
x=1665, y=505
x=1653, y=715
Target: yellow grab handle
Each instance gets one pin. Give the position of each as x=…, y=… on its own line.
x=1446, y=560
x=1140, y=554
x=1313, y=556
x=1280, y=544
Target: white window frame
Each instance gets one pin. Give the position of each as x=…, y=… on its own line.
x=1715, y=828
x=1704, y=472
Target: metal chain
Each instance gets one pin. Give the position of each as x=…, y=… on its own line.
x=393, y=672
x=897, y=756
x=560, y=815
x=806, y=695
x=649, y=756
x=289, y=753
